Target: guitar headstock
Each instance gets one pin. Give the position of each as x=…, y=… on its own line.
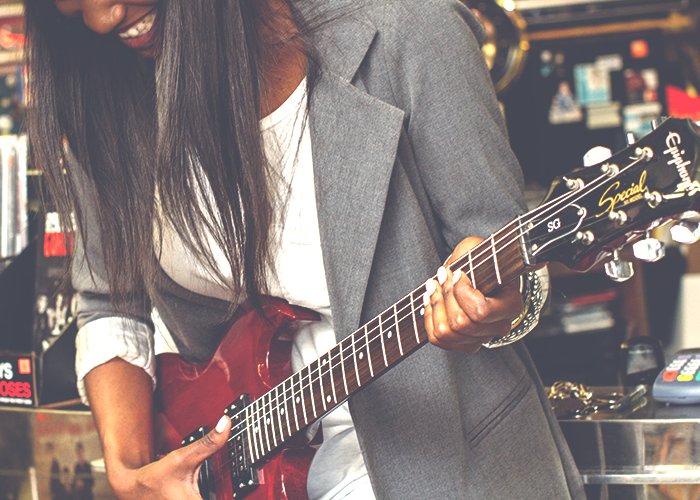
x=591, y=212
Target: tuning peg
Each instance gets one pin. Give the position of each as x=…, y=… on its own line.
x=596, y=155
x=649, y=250
x=619, y=270
x=685, y=232
x=656, y=122
x=630, y=138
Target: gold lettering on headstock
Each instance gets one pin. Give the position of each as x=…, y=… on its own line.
x=609, y=200
x=673, y=140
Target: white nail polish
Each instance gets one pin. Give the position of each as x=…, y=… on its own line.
x=442, y=275
x=221, y=424
x=456, y=275
x=430, y=287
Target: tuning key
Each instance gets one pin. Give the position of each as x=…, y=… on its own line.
x=596, y=155
x=585, y=237
x=630, y=138
x=619, y=217
x=685, y=232
x=654, y=198
x=619, y=270
x=649, y=250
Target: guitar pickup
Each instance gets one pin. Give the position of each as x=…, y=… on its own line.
x=206, y=481
x=244, y=478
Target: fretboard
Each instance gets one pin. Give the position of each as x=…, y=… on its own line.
x=368, y=352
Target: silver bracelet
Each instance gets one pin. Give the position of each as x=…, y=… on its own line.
x=533, y=300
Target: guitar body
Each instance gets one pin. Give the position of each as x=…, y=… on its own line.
x=253, y=357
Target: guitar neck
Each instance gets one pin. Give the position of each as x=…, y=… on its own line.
x=361, y=357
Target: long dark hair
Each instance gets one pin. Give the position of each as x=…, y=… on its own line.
x=134, y=134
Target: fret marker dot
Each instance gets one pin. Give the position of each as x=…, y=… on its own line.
x=281, y=411
x=389, y=334
x=328, y=399
x=267, y=421
x=323, y=362
x=422, y=311
x=362, y=355
x=298, y=399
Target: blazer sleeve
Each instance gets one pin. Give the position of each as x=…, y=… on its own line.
x=102, y=333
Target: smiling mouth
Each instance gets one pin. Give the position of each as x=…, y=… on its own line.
x=140, y=28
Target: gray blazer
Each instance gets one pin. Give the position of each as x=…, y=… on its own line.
x=410, y=156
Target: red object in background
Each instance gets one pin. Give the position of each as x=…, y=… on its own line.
x=24, y=366
x=680, y=104
x=639, y=49
x=55, y=243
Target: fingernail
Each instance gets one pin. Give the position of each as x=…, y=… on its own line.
x=456, y=275
x=426, y=299
x=442, y=275
x=221, y=425
x=430, y=287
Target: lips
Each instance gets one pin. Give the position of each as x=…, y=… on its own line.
x=140, y=35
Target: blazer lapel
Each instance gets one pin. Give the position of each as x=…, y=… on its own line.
x=354, y=141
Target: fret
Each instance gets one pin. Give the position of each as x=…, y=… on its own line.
x=381, y=336
x=285, y=401
x=330, y=369
x=270, y=420
x=311, y=392
x=294, y=397
x=495, y=261
x=299, y=398
x=257, y=430
x=280, y=412
x=471, y=268
x=342, y=367
x=413, y=315
x=354, y=358
x=369, y=354
x=320, y=383
x=253, y=427
x=264, y=420
x=362, y=347
x=398, y=331
x=252, y=444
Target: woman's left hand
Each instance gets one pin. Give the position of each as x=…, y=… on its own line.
x=458, y=317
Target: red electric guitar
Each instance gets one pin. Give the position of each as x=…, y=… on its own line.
x=587, y=216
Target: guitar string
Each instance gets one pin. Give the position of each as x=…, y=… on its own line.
x=317, y=374
x=265, y=411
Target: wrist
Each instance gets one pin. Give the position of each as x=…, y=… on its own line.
x=534, y=296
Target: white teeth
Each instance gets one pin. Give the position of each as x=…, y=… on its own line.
x=144, y=26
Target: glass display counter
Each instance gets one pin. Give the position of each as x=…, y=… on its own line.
x=645, y=450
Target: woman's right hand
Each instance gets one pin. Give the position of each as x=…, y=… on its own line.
x=173, y=476
x=121, y=398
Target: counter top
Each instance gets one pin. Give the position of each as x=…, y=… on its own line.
x=644, y=442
